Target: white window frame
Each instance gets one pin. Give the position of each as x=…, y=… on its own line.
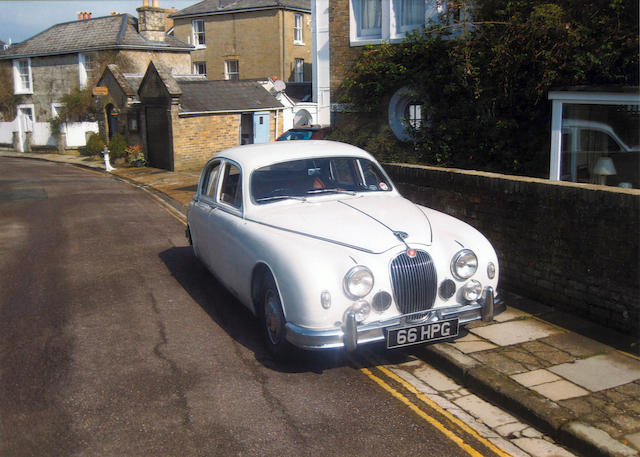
x=390, y=30
x=195, y=33
x=298, y=28
x=227, y=73
x=298, y=70
x=414, y=115
x=196, y=70
x=361, y=36
x=17, y=79
x=54, y=109
x=560, y=98
x=398, y=30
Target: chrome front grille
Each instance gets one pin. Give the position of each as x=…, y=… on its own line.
x=414, y=282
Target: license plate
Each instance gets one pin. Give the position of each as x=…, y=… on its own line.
x=424, y=333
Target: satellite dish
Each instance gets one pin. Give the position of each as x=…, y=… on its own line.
x=279, y=85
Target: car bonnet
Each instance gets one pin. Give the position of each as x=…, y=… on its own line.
x=368, y=223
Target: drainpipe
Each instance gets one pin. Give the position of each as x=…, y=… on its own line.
x=284, y=44
x=277, y=118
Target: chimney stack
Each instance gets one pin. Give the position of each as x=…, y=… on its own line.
x=151, y=21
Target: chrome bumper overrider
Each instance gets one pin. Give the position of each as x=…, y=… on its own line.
x=351, y=335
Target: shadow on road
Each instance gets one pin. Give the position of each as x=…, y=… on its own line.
x=240, y=324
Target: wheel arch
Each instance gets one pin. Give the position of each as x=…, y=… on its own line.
x=260, y=274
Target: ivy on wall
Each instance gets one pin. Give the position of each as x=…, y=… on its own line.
x=484, y=83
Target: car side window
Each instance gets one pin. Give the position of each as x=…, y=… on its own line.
x=231, y=190
x=210, y=179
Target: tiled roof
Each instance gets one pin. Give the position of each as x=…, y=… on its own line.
x=119, y=31
x=226, y=6
x=224, y=96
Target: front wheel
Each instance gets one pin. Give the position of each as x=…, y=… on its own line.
x=274, y=323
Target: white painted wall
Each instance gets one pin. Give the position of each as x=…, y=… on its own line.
x=76, y=133
x=321, y=61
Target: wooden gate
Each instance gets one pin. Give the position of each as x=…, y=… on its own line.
x=159, y=141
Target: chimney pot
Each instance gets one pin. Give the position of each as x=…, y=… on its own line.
x=155, y=3
x=145, y=2
x=79, y=15
x=89, y=15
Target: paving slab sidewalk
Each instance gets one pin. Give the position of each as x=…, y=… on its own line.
x=583, y=393
x=532, y=360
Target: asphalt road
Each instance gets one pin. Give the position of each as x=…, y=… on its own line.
x=115, y=341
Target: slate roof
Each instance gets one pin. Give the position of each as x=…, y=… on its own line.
x=208, y=7
x=224, y=96
x=118, y=31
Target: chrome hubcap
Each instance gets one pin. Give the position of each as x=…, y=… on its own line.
x=272, y=317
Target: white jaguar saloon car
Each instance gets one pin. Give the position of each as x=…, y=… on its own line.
x=314, y=238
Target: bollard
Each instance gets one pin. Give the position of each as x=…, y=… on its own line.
x=107, y=164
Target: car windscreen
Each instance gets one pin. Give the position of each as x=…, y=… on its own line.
x=296, y=135
x=308, y=177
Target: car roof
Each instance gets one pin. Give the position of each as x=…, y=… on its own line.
x=254, y=156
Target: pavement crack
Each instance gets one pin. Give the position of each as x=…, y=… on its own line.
x=177, y=375
x=277, y=406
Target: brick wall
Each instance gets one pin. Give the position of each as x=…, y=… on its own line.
x=342, y=54
x=574, y=247
x=254, y=38
x=197, y=138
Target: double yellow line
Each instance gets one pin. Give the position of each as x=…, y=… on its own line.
x=433, y=405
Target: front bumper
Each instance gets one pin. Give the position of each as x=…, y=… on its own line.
x=351, y=335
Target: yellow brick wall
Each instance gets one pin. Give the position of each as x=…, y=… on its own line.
x=198, y=138
x=261, y=41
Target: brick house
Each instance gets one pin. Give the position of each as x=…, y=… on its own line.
x=342, y=29
x=247, y=39
x=70, y=56
x=182, y=121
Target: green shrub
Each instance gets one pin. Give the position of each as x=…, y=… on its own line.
x=117, y=146
x=94, y=145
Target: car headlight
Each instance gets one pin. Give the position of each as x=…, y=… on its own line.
x=358, y=282
x=464, y=264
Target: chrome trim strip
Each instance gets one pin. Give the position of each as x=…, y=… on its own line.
x=350, y=336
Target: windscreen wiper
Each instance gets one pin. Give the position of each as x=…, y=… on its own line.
x=332, y=190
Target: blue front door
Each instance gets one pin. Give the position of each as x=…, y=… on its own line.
x=261, y=127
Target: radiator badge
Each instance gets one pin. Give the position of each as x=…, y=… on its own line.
x=412, y=253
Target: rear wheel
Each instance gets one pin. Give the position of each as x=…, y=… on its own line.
x=274, y=323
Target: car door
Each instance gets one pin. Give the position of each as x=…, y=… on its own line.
x=201, y=233
x=226, y=224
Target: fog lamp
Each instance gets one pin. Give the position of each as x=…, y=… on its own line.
x=472, y=290
x=361, y=310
